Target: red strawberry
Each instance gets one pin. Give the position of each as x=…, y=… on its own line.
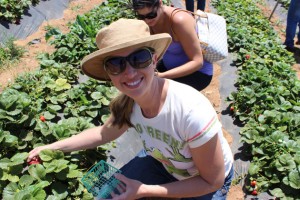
x=42, y=118
x=254, y=192
x=35, y=160
x=18, y=21
x=253, y=183
x=247, y=56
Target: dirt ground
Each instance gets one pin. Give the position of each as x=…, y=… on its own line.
x=29, y=63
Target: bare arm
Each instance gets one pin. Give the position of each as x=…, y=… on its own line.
x=87, y=139
x=210, y=163
x=184, y=31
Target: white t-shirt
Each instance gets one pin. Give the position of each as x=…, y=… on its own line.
x=186, y=120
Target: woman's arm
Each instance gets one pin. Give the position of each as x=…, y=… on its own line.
x=210, y=163
x=87, y=139
x=184, y=31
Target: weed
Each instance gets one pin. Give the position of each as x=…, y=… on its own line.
x=9, y=53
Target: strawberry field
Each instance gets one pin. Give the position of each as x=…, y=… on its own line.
x=13, y=10
x=53, y=103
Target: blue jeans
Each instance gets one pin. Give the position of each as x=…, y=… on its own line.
x=150, y=171
x=293, y=19
x=189, y=4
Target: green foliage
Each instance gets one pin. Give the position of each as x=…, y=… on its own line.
x=67, y=107
x=9, y=53
x=12, y=10
x=80, y=41
x=267, y=102
x=285, y=3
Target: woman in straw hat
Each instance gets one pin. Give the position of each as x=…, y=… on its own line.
x=183, y=60
x=186, y=153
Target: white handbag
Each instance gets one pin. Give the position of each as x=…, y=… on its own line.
x=212, y=34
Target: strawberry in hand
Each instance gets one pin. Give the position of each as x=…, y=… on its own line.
x=35, y=160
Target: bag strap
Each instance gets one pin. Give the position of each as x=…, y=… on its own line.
x=203, y=14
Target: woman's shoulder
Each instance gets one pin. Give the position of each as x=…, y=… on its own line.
x=180, y=16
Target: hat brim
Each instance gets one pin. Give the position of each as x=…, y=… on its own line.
x=92, y=64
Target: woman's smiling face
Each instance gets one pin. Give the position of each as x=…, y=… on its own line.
x=134, y=82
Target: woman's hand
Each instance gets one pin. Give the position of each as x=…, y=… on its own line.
x=35, y=152
x=132, y=189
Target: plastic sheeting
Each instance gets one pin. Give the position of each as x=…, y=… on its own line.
x=32, y=19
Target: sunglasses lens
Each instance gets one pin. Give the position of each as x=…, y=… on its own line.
x=115, y=65
x=151, y=15
x=140, y=59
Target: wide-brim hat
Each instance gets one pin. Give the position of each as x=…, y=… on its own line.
x=117, y=37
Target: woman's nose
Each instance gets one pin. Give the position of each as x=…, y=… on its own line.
x=129, y=71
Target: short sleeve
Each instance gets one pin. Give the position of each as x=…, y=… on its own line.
x=201, y=125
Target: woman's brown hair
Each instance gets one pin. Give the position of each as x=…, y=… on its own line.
x=121, y=109
x=140, y=4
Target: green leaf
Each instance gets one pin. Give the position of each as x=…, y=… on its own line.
x=74, y=174
x=19, y=157
x=92, y=113
x=105, y=101
x=96, y=95
x=37, y=171
x=61, y=84
x=50, y=33
x=26, y=180
x=253, y=169
x=58, y=165
x=54, y=108
x=47, y=154
x=4, y=163
x=284, y=162
x=277, y=192
x=48, y=115
x=14, y=112
x=9, y=191
x=294, y=179
x=12, y=178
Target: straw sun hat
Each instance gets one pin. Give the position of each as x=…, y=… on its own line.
x=117, y=37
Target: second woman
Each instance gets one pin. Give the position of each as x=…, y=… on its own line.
x=183, y=60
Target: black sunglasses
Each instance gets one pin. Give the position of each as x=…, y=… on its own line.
x=139, y=59
x=150, y=15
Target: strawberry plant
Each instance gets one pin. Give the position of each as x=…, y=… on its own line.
x=267, y=101
x=50, y=104
x=13, y=10
x=9, y=53
x=80, y=41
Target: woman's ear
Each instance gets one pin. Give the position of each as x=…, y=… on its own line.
x=160, y=2
x=155, y=59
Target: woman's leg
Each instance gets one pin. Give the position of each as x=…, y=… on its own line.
x=201, y=5
x=292, y=21
x=298, y=41
x=197, y=80
x=189, y=4
x=147, y=170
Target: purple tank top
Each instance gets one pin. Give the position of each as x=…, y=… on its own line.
x=175, y=56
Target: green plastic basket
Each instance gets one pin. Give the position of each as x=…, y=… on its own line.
x=100, y=180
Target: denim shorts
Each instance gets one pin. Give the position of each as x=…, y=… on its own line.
x=150, y=171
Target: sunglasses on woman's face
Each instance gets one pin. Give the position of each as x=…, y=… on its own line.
x=150, y=15
x=139, y=59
